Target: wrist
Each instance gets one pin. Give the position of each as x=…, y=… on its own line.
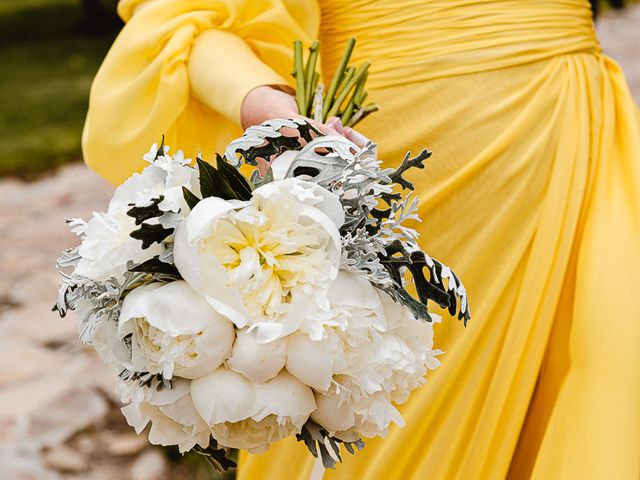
x=265, y=102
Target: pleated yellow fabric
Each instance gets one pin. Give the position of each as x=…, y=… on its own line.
x=143, y=89
x=532, y=195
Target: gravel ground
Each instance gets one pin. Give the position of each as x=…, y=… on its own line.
x=58, y=416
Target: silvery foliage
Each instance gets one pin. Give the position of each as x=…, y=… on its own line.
x=321, y=444
x=98, y=300
x=376, y=242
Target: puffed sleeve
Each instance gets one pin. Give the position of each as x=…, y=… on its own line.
x=182, y=68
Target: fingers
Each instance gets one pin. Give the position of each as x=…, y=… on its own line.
x=335, y=124
x=324, y=128
x=356, y=137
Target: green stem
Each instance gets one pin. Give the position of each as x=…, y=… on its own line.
x=363, y=97
x=298, y=73
x=337, y=77
x=362, y=71
x=347, y=78
x=353, y=101
x=362, y=114
x=311, y=93
x=310, y=75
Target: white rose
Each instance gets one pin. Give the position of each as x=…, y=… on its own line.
x=268, y=262
x=173, y=418
x=173, y=331
x=251, y=416
x=258, y=362
x=106, y=242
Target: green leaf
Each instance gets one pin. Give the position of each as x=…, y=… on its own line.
x=155, y=265
x=234, y=178
x=189, y=197
x=146, y=212
x=213, y=184
x=160, y=151
x=150, y=234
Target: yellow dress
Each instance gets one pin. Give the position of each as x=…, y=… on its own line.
x=532, y=195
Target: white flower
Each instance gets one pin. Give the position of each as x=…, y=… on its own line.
x=268, y=262
x=258, y=362
x=108, y=246
x=374, y=352
x=349, y=337
x=311, y=361
x=106, y=242
x=174, y=331
x=383, y=347
x=173, y=418
x=408, y=347
x=246, y=415
x=112, y=350
x=348, y=419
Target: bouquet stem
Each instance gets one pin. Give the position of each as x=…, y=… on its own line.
x=345, y=96
x=298, y=73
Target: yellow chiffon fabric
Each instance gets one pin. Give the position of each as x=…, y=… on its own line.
x=532, y=195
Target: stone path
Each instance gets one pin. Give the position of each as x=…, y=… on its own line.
x=58, y=416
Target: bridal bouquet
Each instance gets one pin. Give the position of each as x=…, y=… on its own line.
x=239, y=311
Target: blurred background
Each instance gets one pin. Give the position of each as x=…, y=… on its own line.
x=59, y=417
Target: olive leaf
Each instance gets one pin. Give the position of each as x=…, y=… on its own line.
x=190, y=198
x=149, y=233
x=157, y=266
x=213, y=183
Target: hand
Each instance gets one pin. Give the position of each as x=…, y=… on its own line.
x=265, y=102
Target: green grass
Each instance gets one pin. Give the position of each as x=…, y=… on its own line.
x=48, y=64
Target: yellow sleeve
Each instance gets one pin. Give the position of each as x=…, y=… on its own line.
x=182, y=68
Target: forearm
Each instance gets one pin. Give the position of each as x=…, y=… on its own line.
x=223, y=70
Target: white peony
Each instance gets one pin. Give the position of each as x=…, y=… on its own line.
x=112, y=350
x=266, y=263
x=174, y=420
x=258, y=362
x=251, y=416
x=408, y=350
x=173, y=331
x=374, y=352
x=106, y=242
x=311, y=361
x=348, y=419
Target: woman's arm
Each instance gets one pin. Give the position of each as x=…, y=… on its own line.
x=223, y=70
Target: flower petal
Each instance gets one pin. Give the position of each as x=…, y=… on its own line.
x=310, y=361
x=224, y=396
x=258, y=362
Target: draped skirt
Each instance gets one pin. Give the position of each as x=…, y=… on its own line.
x=533, y=196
